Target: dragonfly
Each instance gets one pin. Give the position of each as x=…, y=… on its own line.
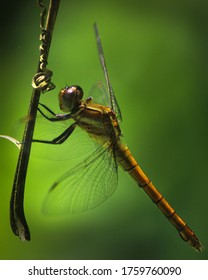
x=92, y=181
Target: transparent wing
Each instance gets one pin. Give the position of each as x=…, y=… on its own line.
x=85, y=186
x=100, y=94
x=78, y=143
x=112, y=97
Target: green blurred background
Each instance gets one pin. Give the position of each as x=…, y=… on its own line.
x=156, y=52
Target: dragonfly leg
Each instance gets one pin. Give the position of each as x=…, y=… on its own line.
x=49, y=110
x=59, y=139
x=56, y=117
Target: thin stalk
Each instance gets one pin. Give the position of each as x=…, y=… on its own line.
x=17, y=217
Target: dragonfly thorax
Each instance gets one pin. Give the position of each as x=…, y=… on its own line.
x=70, y=98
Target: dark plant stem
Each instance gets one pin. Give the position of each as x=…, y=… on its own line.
x=17, y=216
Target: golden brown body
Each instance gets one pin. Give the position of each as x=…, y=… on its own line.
x=101, y=124
x=129, y=164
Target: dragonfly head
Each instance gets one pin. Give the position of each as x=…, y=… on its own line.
x=70, y=98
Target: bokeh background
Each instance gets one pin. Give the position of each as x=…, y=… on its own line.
x=157, y=57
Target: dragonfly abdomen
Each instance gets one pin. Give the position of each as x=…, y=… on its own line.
x=129, y=164
x=185, y=232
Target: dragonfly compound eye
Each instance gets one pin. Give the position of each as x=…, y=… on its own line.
x=70, y=98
